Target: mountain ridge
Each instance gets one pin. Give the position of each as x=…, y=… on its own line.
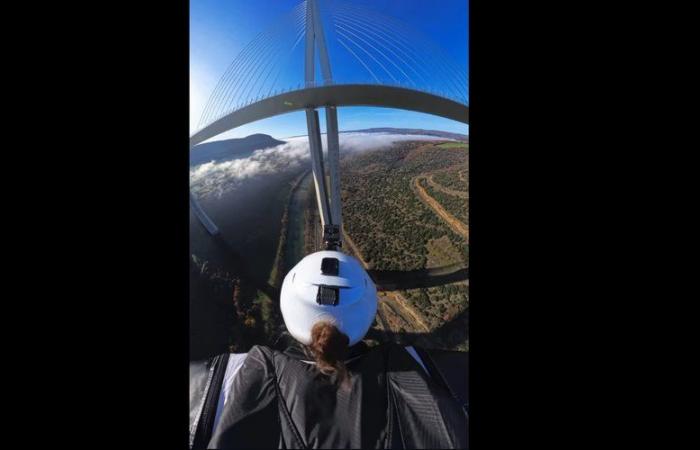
x=416, y=131
x=228, y=148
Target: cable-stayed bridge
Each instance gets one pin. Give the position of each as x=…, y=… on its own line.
x=401, y=69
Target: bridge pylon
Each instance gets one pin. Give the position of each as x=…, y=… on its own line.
x=328, y=197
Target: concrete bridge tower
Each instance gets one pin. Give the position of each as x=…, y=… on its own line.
x=327, y=193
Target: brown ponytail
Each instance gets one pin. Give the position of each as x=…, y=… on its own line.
x=329, y=347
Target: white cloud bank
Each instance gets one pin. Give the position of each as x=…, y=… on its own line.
x=217, y=178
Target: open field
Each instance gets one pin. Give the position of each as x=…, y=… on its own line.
x=399, y=220
x=453, y=180
x=461, y=145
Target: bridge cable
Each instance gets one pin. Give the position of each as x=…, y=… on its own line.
x=384, y=22
x=222, y=80
x=223, y=91
x=271, y=58
x=368, y=53
x=282, y=66
x=225, y=82
x=378, y=31
x=381, y=24
x=361, y=28
x=378, y=36
x=237, y=94
x=383, y=55
x=223, y=96
x=379, y=27
x=423, y=40
x=340, y=41
x=274, y=60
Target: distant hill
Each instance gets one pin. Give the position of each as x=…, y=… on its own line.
x=229, y=148
x=444, y=134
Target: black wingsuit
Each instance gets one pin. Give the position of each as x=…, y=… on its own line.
x=280, y=400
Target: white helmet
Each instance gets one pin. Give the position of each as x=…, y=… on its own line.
x=328, y=286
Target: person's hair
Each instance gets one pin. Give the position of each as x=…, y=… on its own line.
x=329, y=347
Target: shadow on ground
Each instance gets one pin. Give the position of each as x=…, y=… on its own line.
x=391, y=280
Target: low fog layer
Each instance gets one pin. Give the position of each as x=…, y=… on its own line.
x=217, y=178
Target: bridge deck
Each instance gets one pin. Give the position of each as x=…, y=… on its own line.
x=336, y=95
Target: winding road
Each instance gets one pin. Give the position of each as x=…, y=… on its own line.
x=456, y=225
x=446, y=190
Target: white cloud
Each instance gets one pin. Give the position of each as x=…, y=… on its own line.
x=216, y=178
x=372, y=141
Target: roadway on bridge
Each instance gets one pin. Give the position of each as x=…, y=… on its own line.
x=336, y=95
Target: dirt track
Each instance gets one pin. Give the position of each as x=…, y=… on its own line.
x=401, y=302
x=386, y=328
x=394, y=298
x=456, y=225
x=446, y=190
x=353, y=248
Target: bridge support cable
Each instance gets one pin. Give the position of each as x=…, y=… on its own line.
x=218, y=99
x=269, y=60
x=281, y=66
x=351, y=31
x=202, y=216
x=359, y=38
x=234, y=82
x=395, y=29
x=229, y=94
x=370, y=32
x=427, y=63
x=340, y=41
x=270, y=66
x=232, y=70
x=263, y=56
x=399, y=41
x=377, y=31
x=348, y=38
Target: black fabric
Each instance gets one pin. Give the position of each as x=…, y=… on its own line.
x=206, y=377
x=428, y=415
x=450, y=368
x=199, y=379
x=251, y=418
x=279, y=401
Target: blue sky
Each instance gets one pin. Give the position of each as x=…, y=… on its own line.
x=220, y=29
